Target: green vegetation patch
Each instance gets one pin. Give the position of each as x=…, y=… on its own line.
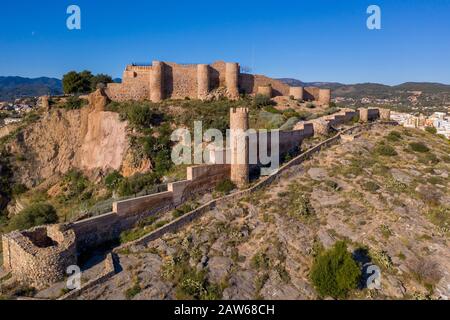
x=334, y=272
x=418, y=147
x=35, y=215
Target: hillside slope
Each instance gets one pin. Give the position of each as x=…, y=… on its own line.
x=377, y=192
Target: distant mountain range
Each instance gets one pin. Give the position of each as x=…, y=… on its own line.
x=16, y=87
x=373, y=89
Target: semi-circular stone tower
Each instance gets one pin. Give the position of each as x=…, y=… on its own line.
x=232, y=79
x=40, y=256
x=364, y=115
x=202, y=81
x=156, y=81
x=296, y=92
x=239, y=145
x=265, y=91
x=325, y=96
x=45, y=103
x=385, y=114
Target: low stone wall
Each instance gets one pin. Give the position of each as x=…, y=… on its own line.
x=108, y=271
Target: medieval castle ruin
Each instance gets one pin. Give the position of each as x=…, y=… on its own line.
x=40, y=256
x=166, y=80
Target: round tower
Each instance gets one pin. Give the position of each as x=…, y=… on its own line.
x=324, y=96
x=156, y=81
x=296, y=92
x=239, y=145
x=385, y=114
x=265, y=91
x=45, y=104
x=202, y=81
x=364, y=115
x=232, y=79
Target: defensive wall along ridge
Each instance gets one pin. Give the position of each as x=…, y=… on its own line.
x=40, y=256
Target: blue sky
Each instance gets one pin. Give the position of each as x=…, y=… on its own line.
x=321, y=40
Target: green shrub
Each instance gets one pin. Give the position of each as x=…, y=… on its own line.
x=431, y=130
x=385, y=150
x=35, y=215
x=75, y=183
x=370, y=186
x=74, y=103
x=261, y=100
x=260, y=261
x=113, y=180
x=428, y=158
x=19, y=189
x=334, y=272
x=137, y=183
x=133, y=290
x=418, y=147
x=181, y=211
x=394, y=136
x=225, y=186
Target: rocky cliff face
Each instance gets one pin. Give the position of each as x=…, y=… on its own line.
x=90, y=140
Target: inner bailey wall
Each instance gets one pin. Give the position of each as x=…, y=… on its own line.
x=168, y=80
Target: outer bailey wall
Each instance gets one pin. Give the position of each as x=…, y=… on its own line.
x=195, y=214
x=93, y=232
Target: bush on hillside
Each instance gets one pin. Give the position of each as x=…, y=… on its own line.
x=225, y=186
x=385, y=150
x=35, y=215
x=431, y=130
x=74, y=103
x=261, y=100
x=334, y=272
x=418, y=147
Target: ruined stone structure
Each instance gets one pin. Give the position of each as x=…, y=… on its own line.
x=39, y=256
x=239, y=145
x=167, y=80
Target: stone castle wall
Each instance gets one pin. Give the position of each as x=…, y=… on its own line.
x=167, y=80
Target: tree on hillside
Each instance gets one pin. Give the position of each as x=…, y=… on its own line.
x=100, y=78
x=83, y=82
x=77, y=83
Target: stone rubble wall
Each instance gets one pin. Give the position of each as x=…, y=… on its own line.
x=32, y=263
